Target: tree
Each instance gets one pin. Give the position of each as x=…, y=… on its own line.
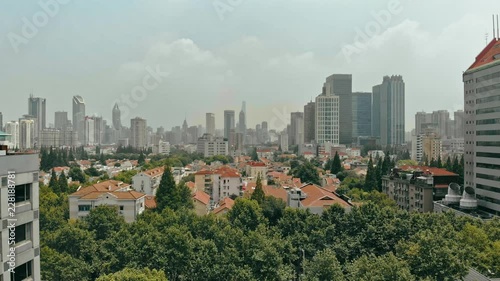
x=448, y=164
x=53, y=182
x=104, y=220
x=142, y=159
x=254, y=155
x=373, y=268
x=258, y=194
x=323, y=266
x=129, y=274
x=76, y=174
x=272, y=209
x=170, y=195
x=439, y=162
x=307, y=173
x=336, y=164
x=246, y=214
x=63, y=183
x=371, y=177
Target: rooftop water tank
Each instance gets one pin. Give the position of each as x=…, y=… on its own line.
x=453, y=196
x=468, y=200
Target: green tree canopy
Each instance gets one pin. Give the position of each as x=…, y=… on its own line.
x=129, y=274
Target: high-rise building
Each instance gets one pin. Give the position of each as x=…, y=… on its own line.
x=117, y=117
x=341, y=85
x=61, y=121
x=458, y=123
x=309, y=121
x=1, y=121
x=265, y=131
x=296, y=128
x=12, y=128
x=389, y=110
x=432, y=147
x=442, y=120
x=138, y=137
x=242, y=120
x=79, y=118
x=327, y=118
x=209, y=146
x=423, y=122
x=482, y=127
x=361, y=114
x=229, y=122
x=37, y=109
x=283, y=141
x=94, y=130
x=25, y=246
x=26, y=133
x=210, y=120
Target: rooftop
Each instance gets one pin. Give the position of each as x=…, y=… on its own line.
x=491, y=53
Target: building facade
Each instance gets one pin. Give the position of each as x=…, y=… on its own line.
x=296, y=136
x=138, y=136
x=26, y=238
x=341, y=85
x=482, y=127
x=327, y=119
x=309, y=122
x=79, y=118
x=361, y=114
x=229, y=122
x=389, y=117
x=209, y=146
x=210, y=120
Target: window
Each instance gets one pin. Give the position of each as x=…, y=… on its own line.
x=23, y=192
x=23, y=232
x=121, y=208
x=22, y=272
x=84, y=208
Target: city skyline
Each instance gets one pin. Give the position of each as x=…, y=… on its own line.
x=267, y=72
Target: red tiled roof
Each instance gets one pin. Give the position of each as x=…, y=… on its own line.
x=204, y=172
x=150, y=202
x=432, y=170
x=119, y=195
x=202, y=197
x=154, y=172
x=191, y=185
x=489, y=54
x=319, y=197
x=226, y=204
x=256, y=164
x=105, y=186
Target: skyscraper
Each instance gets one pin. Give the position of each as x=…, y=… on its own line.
x=12, y=128
x=458, y=124
x=36, y=108
x=389, y=110
x=309, y=121
x=297, y=128
x=138, y=133
x=79, y=118
x=228, y=122
x=242, y=122
x=1, y=121
x=61, y=121
x=341, y=85
x=210, y=120
x=327, y=118
x=423, y=122
x=26, y=133
x=442, y=120
x=361, y=114
x=482, y=127
x=117, y=117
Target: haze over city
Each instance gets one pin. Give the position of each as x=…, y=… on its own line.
x=273, y=54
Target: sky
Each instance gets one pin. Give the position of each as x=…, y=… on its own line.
x=166, y=60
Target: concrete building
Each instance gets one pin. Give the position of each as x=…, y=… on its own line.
x=327, y=118
x=389, y=111
x=341, y=85
x=219, y=183
x=296, y=136
x=361, y=114
x=315, y=199
x=37, y=109
x=163, y=147
x=210, y=120
x=432, y=147
x=229, y=122
x=442, y=120
x=482, y=127
x=23, y=225
x=1, y=121
x=117, y=117
x=242, y=120
x=26, y=133
x=458, y=123
x=129, y=203
x=209, y=146
x=415, y=188
x=423, y=122
x=138, y=133
x=12, y=128
x=417, y=150
x=254, y=169
x=309, y=122
x=61, y=121
x=79, y=118
x=147, y=182
x=283, y=141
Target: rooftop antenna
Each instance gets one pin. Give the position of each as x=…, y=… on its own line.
x=486, y=37
x=494, y=33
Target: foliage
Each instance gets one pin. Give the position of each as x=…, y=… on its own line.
x=126, y=176
x=254, y=155
x=373, y=268
x=129, y=274
x=170, y=195
x=336, y=165
x=76, y=174
x=258, y=194
x=323, y=266
x=306, y=172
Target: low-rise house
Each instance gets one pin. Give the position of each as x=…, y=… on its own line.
x=415, y=188
x=314, y=198
x=201, y=202
x=219, y=183
x=223, y=207
x=265, y=153
x=129, y=203
x=253, y=169
x=148, y=181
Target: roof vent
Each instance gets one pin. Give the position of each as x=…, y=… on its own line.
x=453, y=196
x=468, y=200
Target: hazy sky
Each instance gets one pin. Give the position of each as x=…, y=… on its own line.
x=275, y=55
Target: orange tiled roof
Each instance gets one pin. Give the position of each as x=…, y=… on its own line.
x=119, y=195
x=432, y=170
x=226, y=204
x=105, y=186
x=489, y=54
x=154, y=172
x=256, y=164
x=191, y=185
x=150, y=202
x=202, y=197
x=319, y=197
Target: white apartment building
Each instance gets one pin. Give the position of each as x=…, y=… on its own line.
x=147, y=182
x=12, y=128
x=26, y=133
x=209, y=146
x=163, y=147
x=129, y=203
x=482, y=127
x=327, y=118
x=27, y=234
